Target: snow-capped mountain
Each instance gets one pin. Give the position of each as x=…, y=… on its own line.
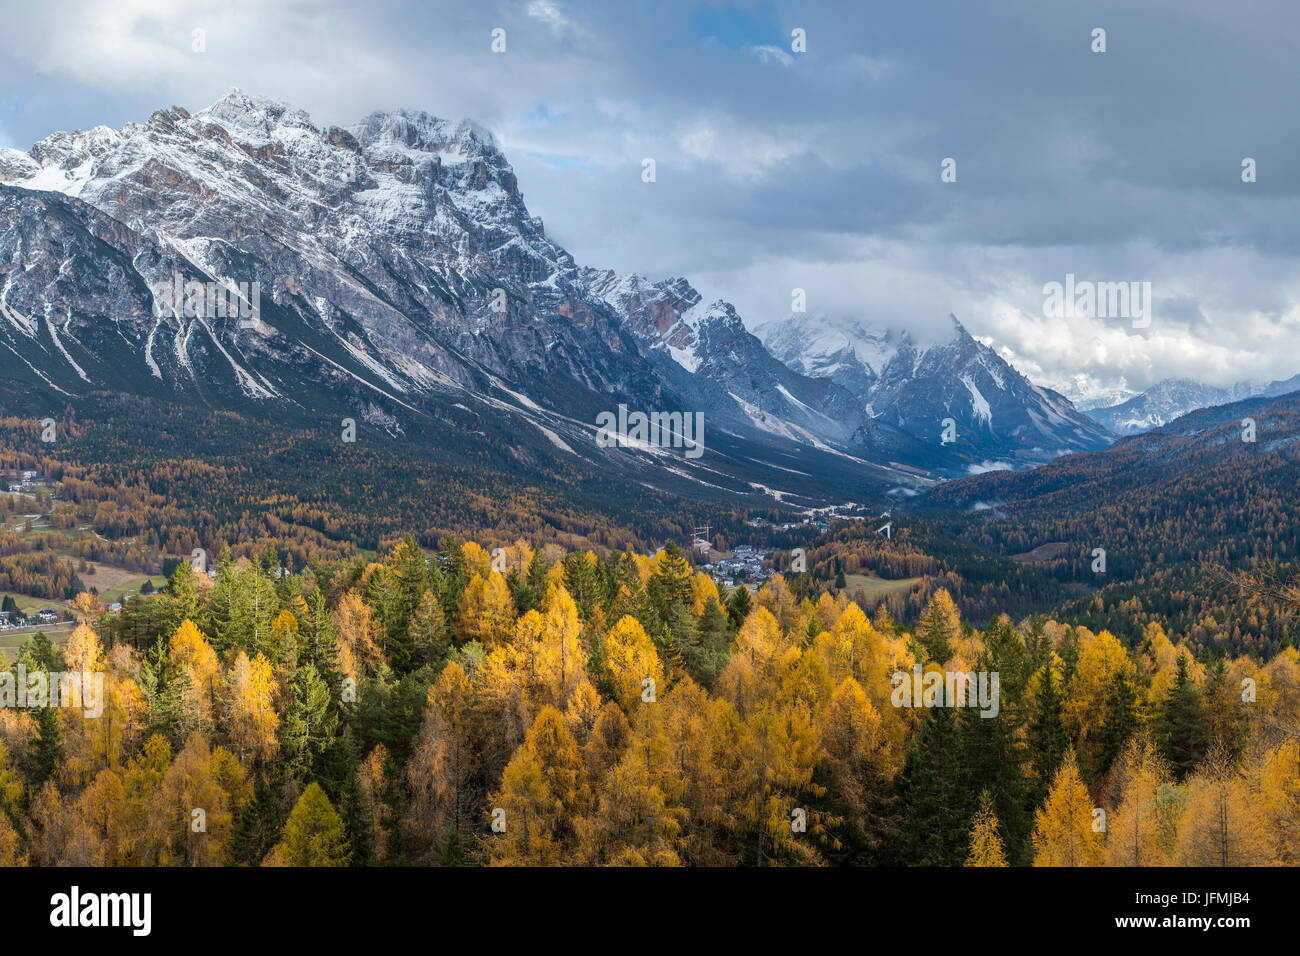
x=709, y=341
x=1085, y=393
x=400, y=276
x=1174, y=397
x=401, y=279
x=999, y=415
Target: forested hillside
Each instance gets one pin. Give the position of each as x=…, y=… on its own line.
x=1178, y=512
x=431, y=709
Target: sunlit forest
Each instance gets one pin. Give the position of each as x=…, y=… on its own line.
x=537, y=707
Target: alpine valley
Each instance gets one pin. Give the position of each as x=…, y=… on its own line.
x=403, y=283
x=348, y=520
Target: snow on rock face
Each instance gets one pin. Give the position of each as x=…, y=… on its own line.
x=399, y=259
x=1173, y=398
x=662, y=314
x=1086, y=394
x=16, y=165
x=979, y=404
x=402, y=247
x=915, y=386
x=406, y=223
x=819, y=345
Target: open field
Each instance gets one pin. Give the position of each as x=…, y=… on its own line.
x=106, y=578
x=10, y=641
x=130, y=585
x=1044, y=552
x=28, y=604
x=874, y=587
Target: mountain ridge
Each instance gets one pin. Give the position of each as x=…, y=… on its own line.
x=1172, y=398
x=401, y=274
x=997, y=413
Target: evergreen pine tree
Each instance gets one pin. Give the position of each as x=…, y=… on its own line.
x=1121, y=721
x=48, y=752
x=454, y=575
x=430, y=639
x=712, y=648
x=310, y=726
x=1182, y=724
x=356, y=823
x=993, y=755
x=1047, y=738
x=258, y=825
x=739, y=605
x=936, y=808
x=453, y=850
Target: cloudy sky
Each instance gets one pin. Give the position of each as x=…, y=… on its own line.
x=819, y=169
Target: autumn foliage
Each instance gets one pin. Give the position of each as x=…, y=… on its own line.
x=621, y=710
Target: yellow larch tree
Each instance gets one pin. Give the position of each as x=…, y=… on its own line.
x=1134, y=827
x=634, y=824
x=1279, y=789
x=87, y=607
x=359, y=652
x=1159, y=661
x=101, y=810
x=581, y=711
x=441, y=771
x=1102, y=661
x=1063, y=826
x=807, y=685
x=541, y=790
x=855, y=756
x=478, y=563
x=487, y=611
x=148, y=837
x=705, y=771
x=13, y=851
x=1222, y=825
x=986, y=847
x=197, y=811
x=95, y=742
x=606, y=744
x=631, y=659
x=702, y=588
x=776, y=598
x=189, y=649
x=764, y=653
x=83, y=653
x=49, y=828
x=371, y=779
x=231, y=777
x=563, y=656
x=853, y=647
x=778, y=754
x=253, y=723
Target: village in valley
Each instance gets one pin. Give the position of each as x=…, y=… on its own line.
x=31, y=500
x=749, y=564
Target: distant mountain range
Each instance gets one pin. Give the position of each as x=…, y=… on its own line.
x=1001, y=417
x=402, y=281
x=1173, y=398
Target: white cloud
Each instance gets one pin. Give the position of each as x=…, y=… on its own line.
x=773, y=55
x=544, y=11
